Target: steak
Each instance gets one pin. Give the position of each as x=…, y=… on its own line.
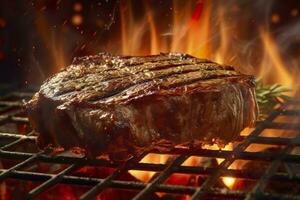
x=122, y=105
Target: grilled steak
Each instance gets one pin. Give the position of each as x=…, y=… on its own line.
x=108, y=104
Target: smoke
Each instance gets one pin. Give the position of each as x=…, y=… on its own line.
x=287, y=38
x=248, y=25
x=224, y=31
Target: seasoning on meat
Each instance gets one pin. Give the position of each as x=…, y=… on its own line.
x=113, y=105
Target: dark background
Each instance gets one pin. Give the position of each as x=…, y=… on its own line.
x=36, y=37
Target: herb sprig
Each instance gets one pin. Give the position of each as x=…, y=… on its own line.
x=268, y=96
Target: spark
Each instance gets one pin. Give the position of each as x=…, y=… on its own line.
x=275, y=18
x=77, y=7
x=77, y=20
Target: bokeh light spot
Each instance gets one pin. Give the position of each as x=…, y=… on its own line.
x=275, y=18
x=77, y=20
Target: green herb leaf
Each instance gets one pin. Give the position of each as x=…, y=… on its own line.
x=267, y=97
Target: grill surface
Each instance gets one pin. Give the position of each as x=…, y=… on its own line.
x=11, y=113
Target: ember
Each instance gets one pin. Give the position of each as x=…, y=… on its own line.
x=38, y=38
x=160, y=174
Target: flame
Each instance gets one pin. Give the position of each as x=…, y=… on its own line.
x=53, y=42
x=198, y=30
x=228, y=181
x=146, y=176
x=273, y=67
x=201, y=28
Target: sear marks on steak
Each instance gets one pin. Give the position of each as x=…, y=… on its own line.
x=113, y=105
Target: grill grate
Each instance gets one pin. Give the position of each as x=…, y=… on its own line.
x=11, y=113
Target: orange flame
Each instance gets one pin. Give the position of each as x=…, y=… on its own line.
x=200, y=28
x=196, y=29
x=146, y=176
x=228, y=181
x=53, y=41
x=273, y=66
x=192, y=31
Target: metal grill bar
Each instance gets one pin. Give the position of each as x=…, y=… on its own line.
x=257, y=190
x=163, y=176
x=201, y=191
x=10, y=112
x=260, y=156
x=105, y=183
x=184, y=169
x=50, y=182
x=26, y=162
x=19, y=138
x=258, y=140
x=174, y=189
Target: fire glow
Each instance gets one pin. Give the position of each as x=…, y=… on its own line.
x=201, y=29
x=205, y=29
x=146, y=176
x=192, y=31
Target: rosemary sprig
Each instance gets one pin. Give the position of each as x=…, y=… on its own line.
x=268, y=96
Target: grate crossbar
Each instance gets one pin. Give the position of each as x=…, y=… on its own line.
x=12, y=113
